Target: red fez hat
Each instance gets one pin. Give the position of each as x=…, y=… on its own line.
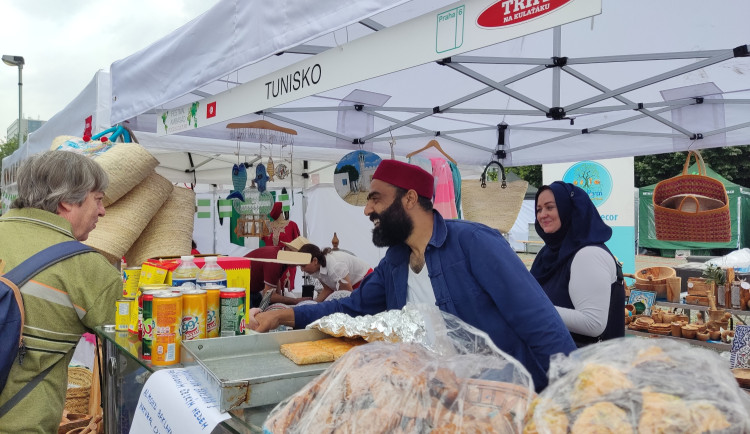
x=406, y=176
x=275, y=211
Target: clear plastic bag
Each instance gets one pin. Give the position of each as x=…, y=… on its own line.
x=457, y=381
x=631, y=385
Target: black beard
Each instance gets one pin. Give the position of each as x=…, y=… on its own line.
x=394, y=228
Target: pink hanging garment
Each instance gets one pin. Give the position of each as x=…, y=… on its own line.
x=445, y=200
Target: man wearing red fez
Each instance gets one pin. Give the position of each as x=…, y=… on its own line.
x=465, y=268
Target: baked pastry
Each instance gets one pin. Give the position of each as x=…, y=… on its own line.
x=402, y=388
x=552, y=420
x=596, y=381
x=602, y=418
x=662, y=413
x=320, y=351
x=306, y=353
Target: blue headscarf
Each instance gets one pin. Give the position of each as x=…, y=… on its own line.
x=581, y=226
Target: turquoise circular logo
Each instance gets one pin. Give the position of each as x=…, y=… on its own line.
x=593, y=178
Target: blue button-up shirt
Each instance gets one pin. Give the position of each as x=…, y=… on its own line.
x=477, y=277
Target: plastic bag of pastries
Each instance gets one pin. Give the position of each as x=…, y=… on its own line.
x=633, y=385
x=458, y=382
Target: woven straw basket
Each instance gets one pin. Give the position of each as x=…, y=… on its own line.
x=692, y=207
x=127, y=164
x=128, y=217
x=494, y=206
x=170, y=231
x=77, y=397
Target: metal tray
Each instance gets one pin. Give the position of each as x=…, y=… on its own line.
x=249, y=371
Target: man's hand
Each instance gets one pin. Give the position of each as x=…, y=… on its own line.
x=265, y=321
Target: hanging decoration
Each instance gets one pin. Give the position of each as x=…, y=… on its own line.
x=256, y=202
x=270, y=168
x=353, y=174
x=282, y=171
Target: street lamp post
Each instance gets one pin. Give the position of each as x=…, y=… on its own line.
x=17, y=61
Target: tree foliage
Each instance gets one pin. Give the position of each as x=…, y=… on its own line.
x=8, y=147
x=731, y=162
x=530, y=174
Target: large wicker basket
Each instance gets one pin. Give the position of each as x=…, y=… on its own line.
x=702, y=207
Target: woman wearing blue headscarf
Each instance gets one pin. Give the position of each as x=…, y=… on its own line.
x=575, y=268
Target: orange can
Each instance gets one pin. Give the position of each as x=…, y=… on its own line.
x=213, y=308
x=167, y=308
x=193, y=314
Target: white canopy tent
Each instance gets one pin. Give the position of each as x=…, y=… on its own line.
x=640, y=78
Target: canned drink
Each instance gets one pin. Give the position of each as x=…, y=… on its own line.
x=148, y=324
x=193, y=314
x=167, y=312
x=122, y=316
x=232, y=316
x=130, y=277
x=141, y=290
x=213, y=313
x=133, y=323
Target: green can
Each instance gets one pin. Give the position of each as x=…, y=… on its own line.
x=232, y=301
x=148, y=324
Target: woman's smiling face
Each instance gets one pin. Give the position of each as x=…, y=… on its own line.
x=546, y=212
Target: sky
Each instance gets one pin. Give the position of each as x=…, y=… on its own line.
x=65, y=42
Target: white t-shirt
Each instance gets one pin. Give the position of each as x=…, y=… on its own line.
x=419, y=287
x=338, y=266
x=592, y=273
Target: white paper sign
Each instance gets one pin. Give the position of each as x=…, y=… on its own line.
x=173, y=401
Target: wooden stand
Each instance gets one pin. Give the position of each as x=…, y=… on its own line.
x=252, y=226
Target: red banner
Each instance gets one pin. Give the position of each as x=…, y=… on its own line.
x=509, y=12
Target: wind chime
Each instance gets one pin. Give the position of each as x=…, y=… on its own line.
x=256, y=202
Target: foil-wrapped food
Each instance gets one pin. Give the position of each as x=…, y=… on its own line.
x=405, y=325
x=632, y=385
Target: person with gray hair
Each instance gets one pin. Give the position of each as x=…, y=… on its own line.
x=59, y=199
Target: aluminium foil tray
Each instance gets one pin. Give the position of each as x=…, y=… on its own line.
x=249, y=371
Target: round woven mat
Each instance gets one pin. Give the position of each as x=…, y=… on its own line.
x=126, y=219
x=170, y=231
x=126, y=164
x=77, y=397
x=493, y=206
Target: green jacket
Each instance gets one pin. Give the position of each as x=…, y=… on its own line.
x=61, y=303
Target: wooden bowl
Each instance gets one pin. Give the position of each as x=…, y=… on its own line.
x=703, y=336
x=654, y=274
x=689, y=331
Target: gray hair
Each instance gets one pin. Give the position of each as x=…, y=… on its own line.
x=47, y=179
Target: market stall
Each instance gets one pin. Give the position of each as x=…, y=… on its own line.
x=478, y=113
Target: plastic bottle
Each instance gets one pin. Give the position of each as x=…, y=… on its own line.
x=186, y=272
x=212, y=274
